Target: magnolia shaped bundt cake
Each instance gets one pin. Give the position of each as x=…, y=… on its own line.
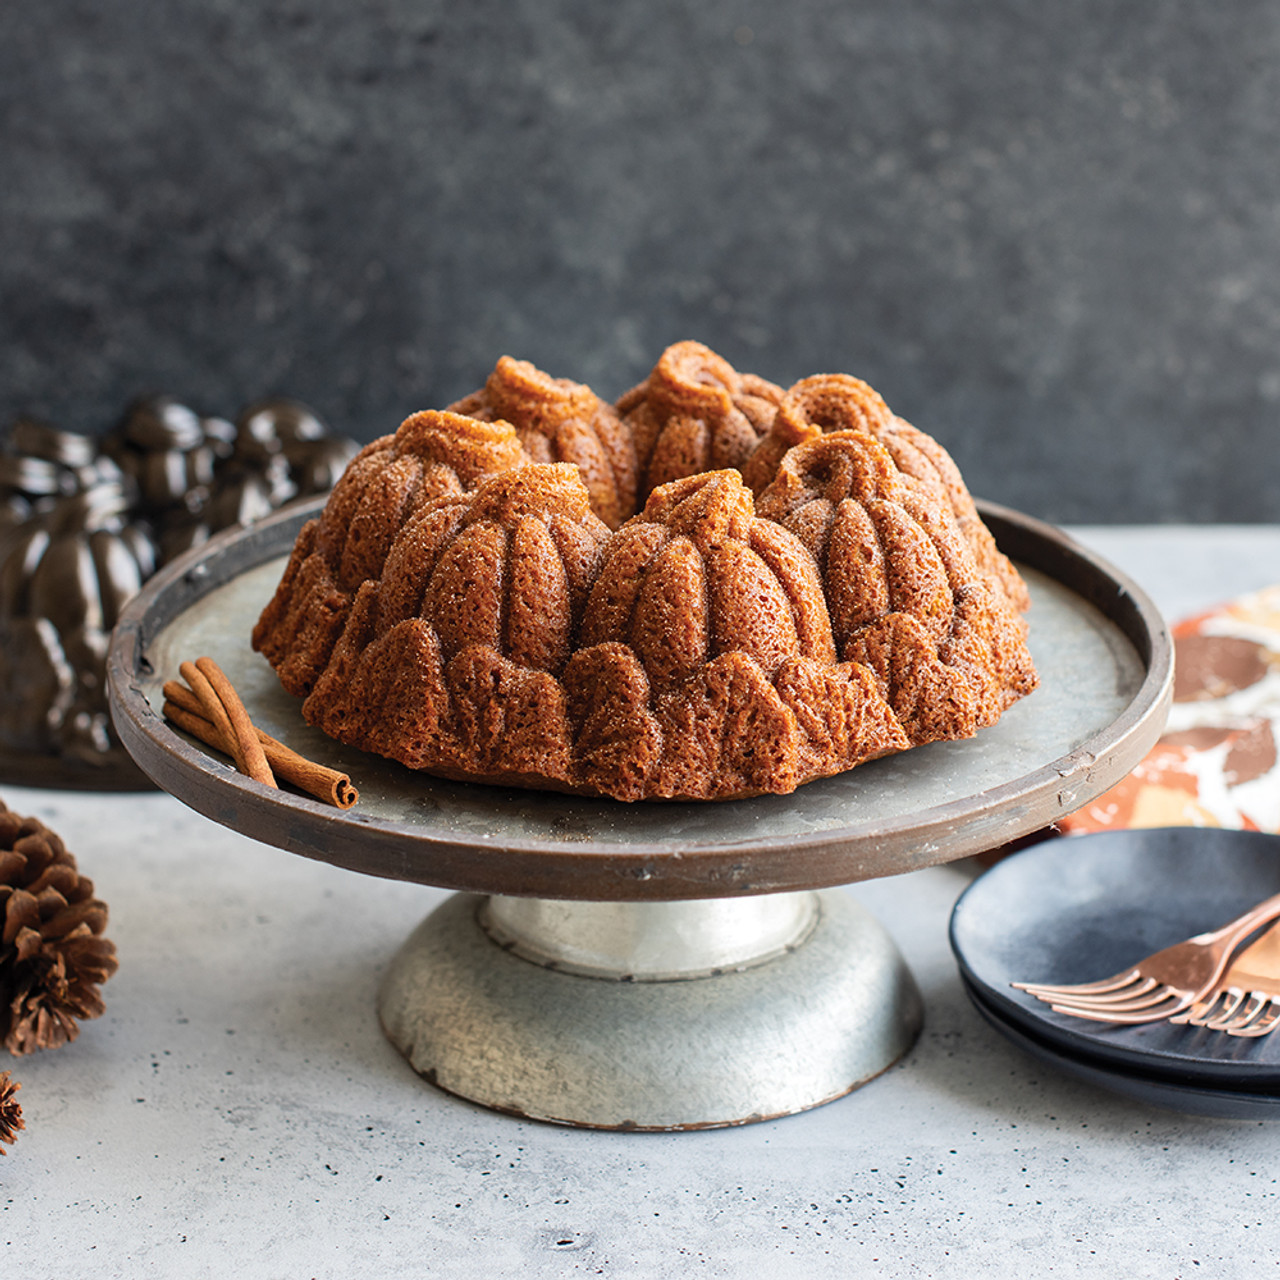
x=806, y=586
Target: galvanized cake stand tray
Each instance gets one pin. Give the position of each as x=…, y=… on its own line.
x=656, y=965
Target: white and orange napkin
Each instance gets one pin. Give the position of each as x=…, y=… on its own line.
x=1216, y=763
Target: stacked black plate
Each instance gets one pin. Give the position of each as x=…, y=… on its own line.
x=1081, y=908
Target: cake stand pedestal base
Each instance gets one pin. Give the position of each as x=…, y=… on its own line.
x=655, y=1015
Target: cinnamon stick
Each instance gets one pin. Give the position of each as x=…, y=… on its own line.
x=246, y=743
x=185, y=709
x=212, y=709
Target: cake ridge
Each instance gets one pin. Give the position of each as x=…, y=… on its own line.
x=557, y=420
x=694, y=413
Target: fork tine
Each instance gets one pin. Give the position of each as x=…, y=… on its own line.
x=1251, y=1005
x=1153, y=1004
x=1260, y=1026
x=1136, y=987
x=1137, y=995
x=1235, y=1008
x=1098, y=1015
x=1143, y=994
x=1102, y=987
x=1170, y=1002
x=1249, y=1009
x=1205, y=1010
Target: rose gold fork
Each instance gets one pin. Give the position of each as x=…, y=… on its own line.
x=1162, y=984
x=1246, y=1001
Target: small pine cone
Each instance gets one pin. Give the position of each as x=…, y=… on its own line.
x=52, y=954
x=10, y=1112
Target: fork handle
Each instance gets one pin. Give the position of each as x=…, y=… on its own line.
x=1257, y=966
x=1243, y=925
x=1233, y=933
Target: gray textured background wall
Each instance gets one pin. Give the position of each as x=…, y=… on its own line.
x=1048, y=233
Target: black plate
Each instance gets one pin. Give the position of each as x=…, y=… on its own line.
x=1081, y=908
x=1189, y=1098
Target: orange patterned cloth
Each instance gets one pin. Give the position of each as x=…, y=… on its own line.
x=1216, y=763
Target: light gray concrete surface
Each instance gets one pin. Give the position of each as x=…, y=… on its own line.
x=237, y=1111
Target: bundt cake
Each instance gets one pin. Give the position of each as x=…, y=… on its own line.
x=805, y=586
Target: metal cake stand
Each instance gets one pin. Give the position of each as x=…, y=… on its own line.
x=657, y=965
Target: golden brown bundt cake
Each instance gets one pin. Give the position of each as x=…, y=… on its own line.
x=703, y=667
x=464, y=610
x=561, y=421
x=695, y=413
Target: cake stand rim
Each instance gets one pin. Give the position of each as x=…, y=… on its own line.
x=597, y=871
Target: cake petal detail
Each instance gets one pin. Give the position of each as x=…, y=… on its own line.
x=669, y=629
x=931, y=700
x=561, y=421
x=726, y=733
x=616, y=739
x=694, y=412
x=510, y=720
x=539, y=619
x=464, y=599
x=840, y=713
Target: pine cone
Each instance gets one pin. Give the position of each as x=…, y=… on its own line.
x=52, y=957
x=10, y=1111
